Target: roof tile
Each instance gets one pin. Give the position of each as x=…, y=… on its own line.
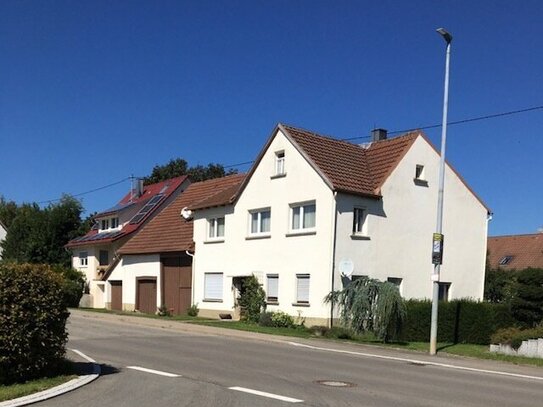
x=525, y=251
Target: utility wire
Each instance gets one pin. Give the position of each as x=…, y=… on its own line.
x=433, y=126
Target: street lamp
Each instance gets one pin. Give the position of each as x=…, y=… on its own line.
x=437, y=250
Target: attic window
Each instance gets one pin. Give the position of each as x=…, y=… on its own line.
x=419, y=171
x=506, y=260
x=280, y=163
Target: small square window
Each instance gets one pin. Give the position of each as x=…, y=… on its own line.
x=280, y=163
x=83, y=259
x=260, y=221
x=216, y=228
x=103, y=258
x=443, y=294
x=359, y=221
x=419, y=172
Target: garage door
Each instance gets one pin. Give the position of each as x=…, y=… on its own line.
x=177, y=283
x=116, y=295
x=146, y=295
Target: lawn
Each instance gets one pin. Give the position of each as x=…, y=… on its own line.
x=33, y=386
x=183, y=317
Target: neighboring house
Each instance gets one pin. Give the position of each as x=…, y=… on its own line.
x=315, y=212
x=155, y=266
x=515, y=252
x=3, y=233
x=95, y=254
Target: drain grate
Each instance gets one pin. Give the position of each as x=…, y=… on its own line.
x=335, y=383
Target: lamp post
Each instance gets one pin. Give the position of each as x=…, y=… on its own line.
x=437, y=251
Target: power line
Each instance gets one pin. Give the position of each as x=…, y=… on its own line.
x=88, y=192
x=472, y=119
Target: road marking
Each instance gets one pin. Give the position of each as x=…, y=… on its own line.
x=445, y=365
x=264, y=394
x=158, y=372
x=87, y=358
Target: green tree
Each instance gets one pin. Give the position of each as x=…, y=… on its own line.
x=369, y=305
x=178, y=167
x=500, y=285
x=252, y=299
x=8, y=211
x=527, y=305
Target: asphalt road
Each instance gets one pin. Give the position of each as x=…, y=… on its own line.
x=219, y=370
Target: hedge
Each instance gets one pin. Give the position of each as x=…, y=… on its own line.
x=32, y=322
x=459, y=321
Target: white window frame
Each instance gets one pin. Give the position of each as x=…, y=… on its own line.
x=274, y=299
x=302, y=226
x=360, y=224
x=303, y=299
x=280, y=162
x=104, y=224
x=213, y=228
x=114, y=222
x=213, y=294
x=258, y=213
x=83, y=259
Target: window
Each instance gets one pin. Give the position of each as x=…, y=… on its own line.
x=302, y=288
x=260, y=221
x=443, y=294
x=83, y=259
x=272, y=292
x=213, y=286
x=506, y=260
x=359, y=220
x=396, y=281
x=357, y=277
x=419, y=171
x=114, y=223
x=303, y=216
x=216, y=228
x=103, y=258
x=280, y=163
x=104, y=224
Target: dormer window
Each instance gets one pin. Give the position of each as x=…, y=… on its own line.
x=114, y=223
x=104, y=224
x=109, y=223
x=280, y=163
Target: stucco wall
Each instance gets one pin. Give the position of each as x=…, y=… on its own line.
x=129, y=268
x=279, y=253
x=400, y=230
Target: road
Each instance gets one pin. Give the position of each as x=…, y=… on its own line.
x=220, y=370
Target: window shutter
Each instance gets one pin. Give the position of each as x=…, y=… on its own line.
x=213, y=286
x=273, y=288
x=302, y=288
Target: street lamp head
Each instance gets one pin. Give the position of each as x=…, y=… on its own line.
x=446, y=35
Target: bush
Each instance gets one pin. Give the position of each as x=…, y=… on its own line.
x=32, y=321
x=193, y=310
x=459, y=321
x=163, y=311
x=339, y=332
x=265, y=318
x=527, y=305
x=282, y=320
x=252, y=299
x=319, y=330
x=73, y=284
x=515, y=336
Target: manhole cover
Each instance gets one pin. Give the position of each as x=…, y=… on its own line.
x=335, y=383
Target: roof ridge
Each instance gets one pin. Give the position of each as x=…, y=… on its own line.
x=324, y=136
x=518, y=235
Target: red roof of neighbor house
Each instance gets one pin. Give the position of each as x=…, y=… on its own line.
x=160, y=192
x=524, y=251
x=168, y=231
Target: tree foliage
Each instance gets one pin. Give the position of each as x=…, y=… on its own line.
x=369, y=305
x=252, y=299
x=527, y=305
x=500, y=285
x=178, y=167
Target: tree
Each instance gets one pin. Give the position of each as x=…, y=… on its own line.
x=8, y=211
x=500, y=285
x=178, y=167
x=369, y=305
x=527, y=305
x=252, y=299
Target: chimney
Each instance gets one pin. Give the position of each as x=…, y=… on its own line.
x=378, y=134
x=137, y=188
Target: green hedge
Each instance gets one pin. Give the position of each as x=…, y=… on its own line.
x=459, y=321
x=32, y=322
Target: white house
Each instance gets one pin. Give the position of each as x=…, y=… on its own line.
x=315, y=211
x=3, y=233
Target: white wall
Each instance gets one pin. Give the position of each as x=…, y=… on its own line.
x=129, y=268
x=400, y=230
x=278, y=254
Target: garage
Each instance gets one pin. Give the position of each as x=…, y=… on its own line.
x=116, y=295
x=177, y=283
x=146, y=295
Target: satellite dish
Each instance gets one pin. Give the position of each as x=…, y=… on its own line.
x=186, y=213
x=346, y=267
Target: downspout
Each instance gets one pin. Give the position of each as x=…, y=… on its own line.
x=333, y=257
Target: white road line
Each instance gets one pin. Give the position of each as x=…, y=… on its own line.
x=158, y=372
x=264, y=394
x=88, y=359
x=424, y=362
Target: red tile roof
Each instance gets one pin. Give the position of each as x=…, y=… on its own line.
x=168, y=231
x=525, y=251
x=167, y=188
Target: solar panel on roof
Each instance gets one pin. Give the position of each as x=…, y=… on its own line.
x=137, y=218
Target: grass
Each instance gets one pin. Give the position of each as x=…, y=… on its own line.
x=459, y=349
x=182, y=317
x=12, y=391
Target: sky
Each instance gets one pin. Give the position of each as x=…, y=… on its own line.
x=94, y=92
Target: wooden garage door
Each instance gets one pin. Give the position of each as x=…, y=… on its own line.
x=116, y=295
x=146, y=295
x=177, y=283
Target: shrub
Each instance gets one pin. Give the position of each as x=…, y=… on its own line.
x=193, y=310
x=73, y=284
x=527, y=305
x=339, y=332
x=163, y=311
x=265, y=319
x=252, y=299
x=282, y=320
x=32, y=321
x=319, y=330
x=515, y=336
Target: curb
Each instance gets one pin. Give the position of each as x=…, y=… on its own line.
x=58, y=390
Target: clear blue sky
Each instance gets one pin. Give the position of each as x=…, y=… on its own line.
x=92, y=92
